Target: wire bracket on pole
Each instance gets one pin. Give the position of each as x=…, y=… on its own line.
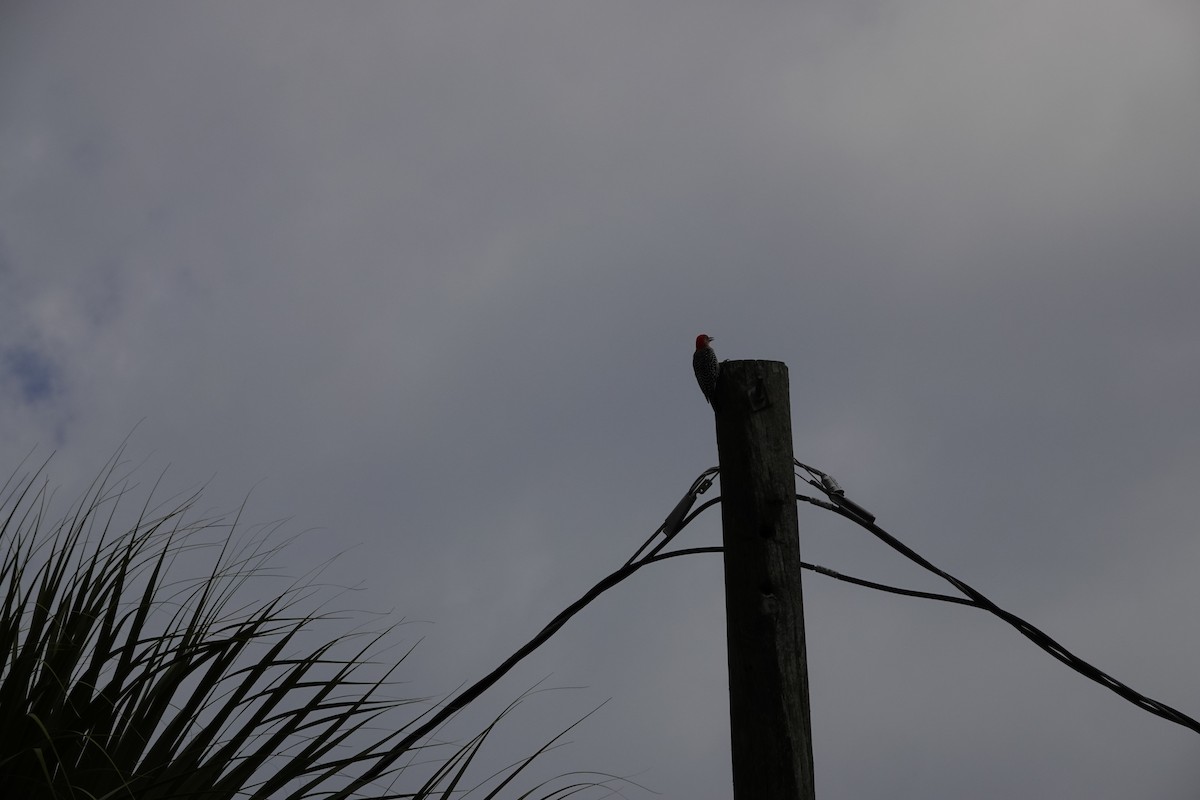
x=834, y=491
x=679, y=514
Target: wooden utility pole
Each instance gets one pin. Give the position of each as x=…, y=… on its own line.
x=764, y=609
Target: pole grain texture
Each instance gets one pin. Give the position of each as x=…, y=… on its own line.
x=770, y=727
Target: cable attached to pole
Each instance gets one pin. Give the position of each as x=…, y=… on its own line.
x=855, y=513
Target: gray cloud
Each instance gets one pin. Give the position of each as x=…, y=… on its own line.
x=427, y=278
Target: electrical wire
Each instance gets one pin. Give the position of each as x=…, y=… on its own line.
x=840, y=505
x=679, y=518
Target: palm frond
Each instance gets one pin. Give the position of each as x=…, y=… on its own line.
x=124, y=676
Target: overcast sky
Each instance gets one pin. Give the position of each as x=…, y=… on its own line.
x=426, y=278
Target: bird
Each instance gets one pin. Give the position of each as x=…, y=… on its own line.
x=704, y=364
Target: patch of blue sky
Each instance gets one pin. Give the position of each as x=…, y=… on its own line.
x=34, y=375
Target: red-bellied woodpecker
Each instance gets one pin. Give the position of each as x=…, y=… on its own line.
x=704, y=364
